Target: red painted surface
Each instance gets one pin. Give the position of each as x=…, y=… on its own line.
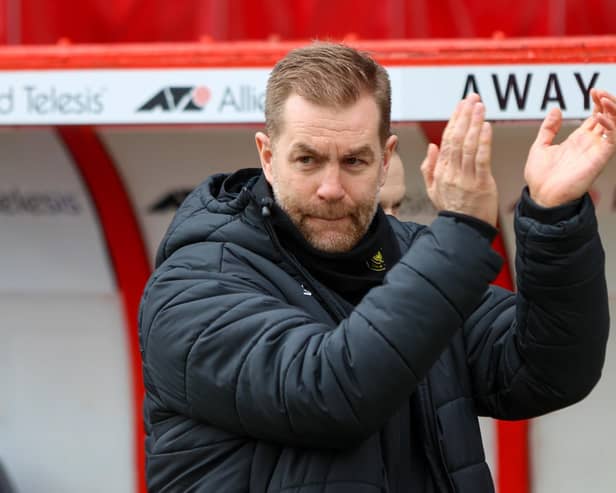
x=513, y=458
x=127, y=253
x=121, y=21
x=601, y=49
x=513, y=453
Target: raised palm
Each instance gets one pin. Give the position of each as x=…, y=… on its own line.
x=458, y=176
x=560, y=173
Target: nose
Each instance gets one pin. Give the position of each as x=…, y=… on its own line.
x=330, y=186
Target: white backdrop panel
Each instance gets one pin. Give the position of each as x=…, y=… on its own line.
x=66, y=410
x=51, y=240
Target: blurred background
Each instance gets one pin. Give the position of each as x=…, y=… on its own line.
x=129, y=21
x=83, y=205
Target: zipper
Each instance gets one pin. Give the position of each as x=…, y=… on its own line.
x=337, y=313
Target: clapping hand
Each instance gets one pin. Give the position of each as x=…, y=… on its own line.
x=458, y=176
x=560, y=173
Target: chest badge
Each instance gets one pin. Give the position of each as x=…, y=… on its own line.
x=377, y=262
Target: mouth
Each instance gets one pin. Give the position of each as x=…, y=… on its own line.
x=329, y=219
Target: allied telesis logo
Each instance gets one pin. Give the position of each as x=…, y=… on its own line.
x=178, y=98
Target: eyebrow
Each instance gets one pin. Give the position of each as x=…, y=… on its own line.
x=301, y=147
x=365, y=151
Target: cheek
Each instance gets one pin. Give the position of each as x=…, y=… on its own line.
x=297, y=189
x=364, y=191
x=303, y=187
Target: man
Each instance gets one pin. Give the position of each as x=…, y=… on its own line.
x=393, y=190
x=297, y=339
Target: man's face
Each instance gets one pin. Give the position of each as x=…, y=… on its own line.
x=326, y=168
x=393, y=191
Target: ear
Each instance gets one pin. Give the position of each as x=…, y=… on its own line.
x=390, y=147
x=265, y=155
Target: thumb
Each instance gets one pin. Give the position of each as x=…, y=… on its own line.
x=549, y=128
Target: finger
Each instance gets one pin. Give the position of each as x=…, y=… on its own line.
x=446, y=137
x=473, y=97
x=549, y=128
x=609, y=107
x=596, y=99
x=591, y=124
x=452, y=120
x=605, y=122
x=594, y=125
x=451, y=124
x=600, y=98
x=600, y=94
x=471, y=141
x=458, y=136
x=605, y=130
x=603, y=119
x=483, y=161
x=429, y=164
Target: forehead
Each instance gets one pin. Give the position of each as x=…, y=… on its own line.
x=303, y=120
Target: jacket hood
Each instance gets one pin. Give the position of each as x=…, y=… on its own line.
x=209, y=211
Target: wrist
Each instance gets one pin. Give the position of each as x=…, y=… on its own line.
x=528, y=206
x=548, y=201
x=486, y=230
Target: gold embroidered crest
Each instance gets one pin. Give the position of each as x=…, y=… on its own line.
x=377, y=262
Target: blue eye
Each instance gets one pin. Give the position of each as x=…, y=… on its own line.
x=305, y=159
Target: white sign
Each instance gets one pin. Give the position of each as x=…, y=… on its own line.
x=510, y=92
x=132, y=96
x=237, y=95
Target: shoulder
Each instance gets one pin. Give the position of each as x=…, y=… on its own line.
x=405, y=231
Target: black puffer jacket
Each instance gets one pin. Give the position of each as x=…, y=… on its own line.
x=256, y=383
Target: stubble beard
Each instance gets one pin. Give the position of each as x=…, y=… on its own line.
x=335, y=238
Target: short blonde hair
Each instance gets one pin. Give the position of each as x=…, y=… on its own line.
x=327, y=74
